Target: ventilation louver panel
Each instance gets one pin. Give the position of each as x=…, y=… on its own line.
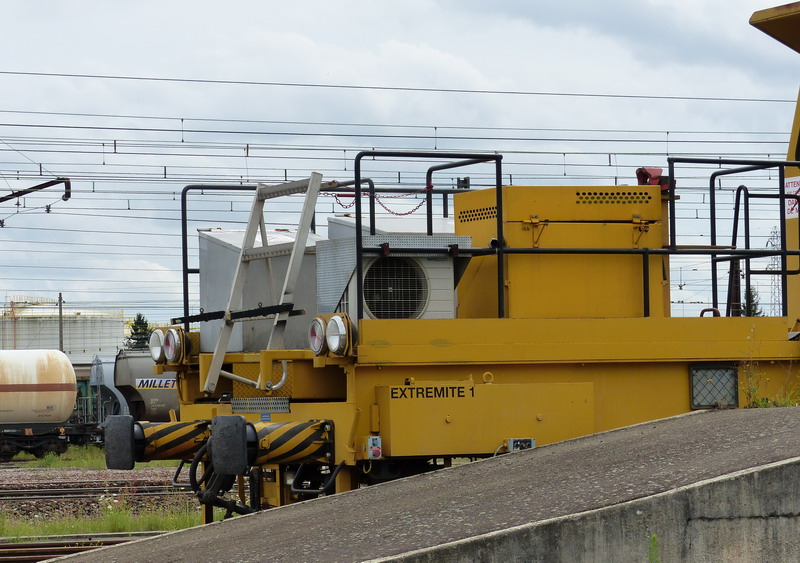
x=477, y=214
x=615, y=197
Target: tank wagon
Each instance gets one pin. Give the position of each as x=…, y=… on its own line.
x=543, y=315
x=38, y=392
x=44, y=407
x=126, y=385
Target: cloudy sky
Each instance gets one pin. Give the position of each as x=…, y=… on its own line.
x=134, y=100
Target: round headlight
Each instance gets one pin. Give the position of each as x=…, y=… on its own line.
x=157, y=346
x=336, y=335
x=172, y=345
x=316, y=336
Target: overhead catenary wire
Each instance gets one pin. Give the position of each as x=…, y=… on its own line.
x=177, y=172
x=386, y=88
x=438, y=126
x=149, y=165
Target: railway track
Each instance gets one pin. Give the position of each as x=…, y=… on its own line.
x=14, y=464
x=27, y=494
x=76, y=492
x=47, y=547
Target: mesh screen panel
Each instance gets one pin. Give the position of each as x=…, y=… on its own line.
x=261, y=405
x=714, y=386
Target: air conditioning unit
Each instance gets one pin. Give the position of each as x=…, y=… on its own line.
x=403, y=285
x=408, y=287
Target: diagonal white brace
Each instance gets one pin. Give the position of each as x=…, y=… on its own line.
x=295, y=260
x=255, y=224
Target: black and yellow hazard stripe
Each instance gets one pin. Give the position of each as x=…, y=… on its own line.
x=173, y=440
x=294, y=442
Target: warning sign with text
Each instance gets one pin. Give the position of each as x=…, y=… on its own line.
x=792, y=188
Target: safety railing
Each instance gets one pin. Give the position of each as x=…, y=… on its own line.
x=716, y=254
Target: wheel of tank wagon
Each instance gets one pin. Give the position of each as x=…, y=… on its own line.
x=7, y=452
x=56, y=448
x=79, y=440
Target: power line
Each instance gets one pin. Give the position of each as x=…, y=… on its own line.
x=390, y=88
x=432, y=126
x=85, y=231
x=151, y=168
x=322, y=134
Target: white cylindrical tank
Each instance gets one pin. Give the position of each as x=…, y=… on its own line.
x=36, y=386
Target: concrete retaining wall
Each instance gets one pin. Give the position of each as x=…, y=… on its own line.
x=752, y=515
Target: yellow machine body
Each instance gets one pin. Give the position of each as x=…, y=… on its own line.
x=782, y=23
x=585, y=343
x=461, y=388
x=566, y=285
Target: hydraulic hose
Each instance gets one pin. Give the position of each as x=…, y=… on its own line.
x=195, y=484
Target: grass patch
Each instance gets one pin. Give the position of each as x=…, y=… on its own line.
x=116, y=517
x=754, y=396
x=654, y=550
x=86, y=457
x=789, y=400
x=111, y=513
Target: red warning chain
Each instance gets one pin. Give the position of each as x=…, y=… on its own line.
x=379, y=198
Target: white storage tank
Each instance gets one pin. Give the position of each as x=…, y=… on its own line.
x=36, y=386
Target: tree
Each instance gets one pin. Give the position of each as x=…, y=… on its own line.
x=751, y=304
x=140, y=334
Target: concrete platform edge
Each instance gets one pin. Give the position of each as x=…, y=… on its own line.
x=749, y=515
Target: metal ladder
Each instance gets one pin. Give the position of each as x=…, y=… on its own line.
x=285, y=303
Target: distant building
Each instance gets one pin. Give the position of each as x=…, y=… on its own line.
x=30, y=323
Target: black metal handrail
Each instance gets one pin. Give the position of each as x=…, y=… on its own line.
x=742, y=166
x=461, y=159
x=331, y=186
x=715, y=253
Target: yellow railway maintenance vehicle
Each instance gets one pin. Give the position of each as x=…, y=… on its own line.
x=533, y=315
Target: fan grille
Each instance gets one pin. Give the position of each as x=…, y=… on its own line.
x=395, y=288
